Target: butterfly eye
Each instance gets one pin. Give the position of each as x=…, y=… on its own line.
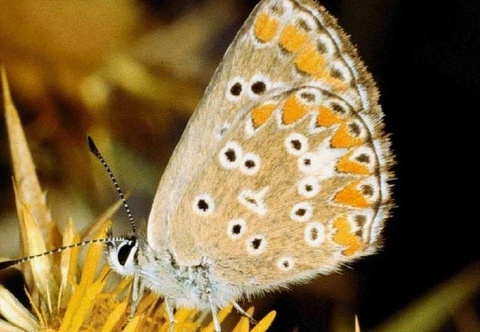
x=122, y=256
x=124, y=251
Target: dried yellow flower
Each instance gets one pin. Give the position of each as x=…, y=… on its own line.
x=62, y=297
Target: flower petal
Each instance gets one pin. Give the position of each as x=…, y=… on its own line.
x=7, y=327
x=13, y=311
x=28, y=187
x=265, y=323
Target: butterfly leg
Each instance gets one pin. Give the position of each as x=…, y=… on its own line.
x=216, y=322
x=137, y=292
x=244, y=313
x=170, y=313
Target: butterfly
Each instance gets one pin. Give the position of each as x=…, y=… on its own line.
x=282, y=173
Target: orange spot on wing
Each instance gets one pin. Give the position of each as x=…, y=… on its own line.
x=352, y=196
x=345, y=237
x=293, y=110
x=311, y=62
x=346, y=165
x=326, y=117
x=344, y=138
x=261, y=114
x=266, y=27
x=292, y=38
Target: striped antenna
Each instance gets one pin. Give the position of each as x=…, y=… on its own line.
x=94, y=150
x=6, y=264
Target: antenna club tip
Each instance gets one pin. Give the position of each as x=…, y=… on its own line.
x=91, y=145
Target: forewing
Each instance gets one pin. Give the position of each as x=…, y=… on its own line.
x=283, y=168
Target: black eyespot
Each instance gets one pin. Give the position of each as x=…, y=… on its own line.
x=296, y=144
x=251, y=200
x=338, y=109
x=336, y=73
x=249, y=164
x=367, y=190
x=309, y=97
x=256, y=243
x=258, y=87
x=363, y=158
x=277, y=9
x=360, y=220
x=202, y=205
x=285, y=263
x=300, y=212
x=304, y=25
x=355, y=129
x=321, y=47
x=313, y=234
x=236, y=89
x=236, y=229
x=231, y=155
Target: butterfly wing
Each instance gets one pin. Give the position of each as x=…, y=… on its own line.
x=282, y=171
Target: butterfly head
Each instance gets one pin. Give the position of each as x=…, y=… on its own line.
x=123, y=255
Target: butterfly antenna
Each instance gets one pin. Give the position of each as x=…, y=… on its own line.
x=6, y=264
x=94, y=150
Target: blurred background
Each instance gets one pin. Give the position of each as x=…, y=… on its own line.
x=130, y=73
